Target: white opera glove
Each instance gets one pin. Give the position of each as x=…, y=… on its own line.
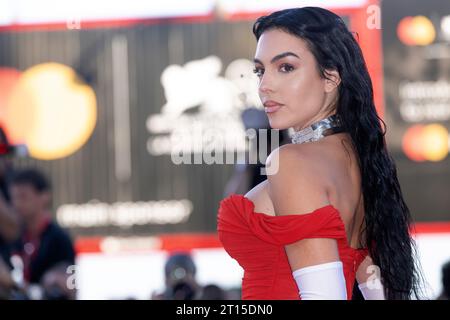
x=321, y=282
x=372, y=290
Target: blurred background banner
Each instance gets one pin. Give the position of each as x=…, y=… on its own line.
x=416, y=52
x=117, y=103
x=102, y=109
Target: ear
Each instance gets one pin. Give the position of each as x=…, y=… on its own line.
x=332, y=81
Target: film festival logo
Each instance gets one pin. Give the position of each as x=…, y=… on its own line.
x=201, y=123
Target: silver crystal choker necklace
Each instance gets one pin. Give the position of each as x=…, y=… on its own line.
x=318, y=130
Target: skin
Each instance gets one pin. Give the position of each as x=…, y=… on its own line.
x=293, y=81
x=310, y=175
x=30, y=205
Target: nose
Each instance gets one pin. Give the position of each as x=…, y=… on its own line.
x=265, y=85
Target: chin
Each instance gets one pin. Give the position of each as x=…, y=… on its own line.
x=278, y=125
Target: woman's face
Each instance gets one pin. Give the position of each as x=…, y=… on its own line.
x=290, y=86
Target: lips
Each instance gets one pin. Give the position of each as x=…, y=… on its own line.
x=272, y=109
x=271, y=106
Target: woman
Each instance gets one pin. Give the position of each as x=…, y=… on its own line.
x=331, y=209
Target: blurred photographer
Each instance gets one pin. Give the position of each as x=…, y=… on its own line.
x=44, y=250
x=180, y=279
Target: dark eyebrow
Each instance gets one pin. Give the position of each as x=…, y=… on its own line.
x=278, y=57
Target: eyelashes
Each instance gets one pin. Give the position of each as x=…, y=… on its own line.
x=287, y=67
x=258, y=72
x=284, y=68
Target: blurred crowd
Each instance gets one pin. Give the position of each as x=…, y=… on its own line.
x=35, y=253
x=37, y=256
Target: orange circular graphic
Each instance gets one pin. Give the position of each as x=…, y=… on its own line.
x=9, y=78
x=435, y=139
x=405, y=31
x=417, y=30
x=52, y=111
x=413, y=143
x=430, y=142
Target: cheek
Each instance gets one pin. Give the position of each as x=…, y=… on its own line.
x=304, y=91
x=21, y=207
x=24, y=204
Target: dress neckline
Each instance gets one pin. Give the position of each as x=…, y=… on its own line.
x=267, y=216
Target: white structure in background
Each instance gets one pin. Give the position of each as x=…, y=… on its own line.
x=138, y=274
x=197, y=83
x=433, y=251
x=203, y=109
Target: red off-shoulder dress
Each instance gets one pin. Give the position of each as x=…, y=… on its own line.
x=256, y=241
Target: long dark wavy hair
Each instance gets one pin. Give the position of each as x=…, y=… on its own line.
x=387, y=218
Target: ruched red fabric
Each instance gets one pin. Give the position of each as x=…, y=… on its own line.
x=256, y=241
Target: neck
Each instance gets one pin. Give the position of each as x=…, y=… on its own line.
x=318, y=130
x=33, y=224
x=312, y=121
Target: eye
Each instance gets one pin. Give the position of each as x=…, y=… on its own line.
x=287, y=67
x=258, y=71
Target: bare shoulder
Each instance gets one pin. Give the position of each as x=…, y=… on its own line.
x=292, y=161
x=291, y=153
x=297, y=182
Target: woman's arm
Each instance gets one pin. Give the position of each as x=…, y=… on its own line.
x=298, y=186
